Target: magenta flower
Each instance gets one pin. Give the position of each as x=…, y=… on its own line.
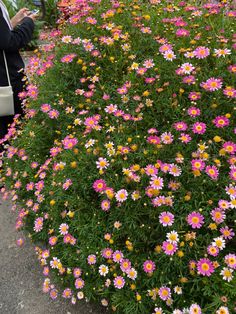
x=91, y=259
x=218, y=215
x=213, y=250
x=197, y=164
x=38, y=224
x=67, y=293
x=195, y=220
x=105, y=205
x=119, y=282
x=69, y=142
x=164, y=293
x=199, y=128
x=107, y=253
x=212, y=172
x=205, y=267
x=125, y=265
x=221, y=121
x=117, y=256
x=99, y=185
x=166, y=219
x=149, y=266
x=79, y=283
x=169, y=248
x=201, y=52
x=53, y=114
x=194, y=112
x=212, y=84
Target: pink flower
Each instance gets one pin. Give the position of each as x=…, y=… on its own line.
x=227, y=233
x=121, y=195
x=185, y=138
x=212, y=172
x=149, y=266
x=194, y=112
x=164, y=293
x=156, y=182
x=107, y=253
x=199, y=128
x=218, y=215
x=117, y=256
x=201, y=52
x=212, y=84
x=193, y=96
x=195, y=220
x=38, y=224
x=125, y=265
x=79, y=283
x=169, y=248
x=67, y=184
x=67, y=293
x=53, y=114
x=77, y=272
x=213, y=250
x=195, y=309
x=221, y=121
x=45, y=107
x=99, y=185
x=205, y=267
x=53, y=294
x=232, y=173
x=91, y=259
x=151, y=170
x=52, y=240
x=229, y=147
x=198, y=164
x=106, y=204
x=182, y=32
x=68, y=58
x=69, y=142
x=230, y=260
x=119, y=282
x=180, y=126
x=166, y=219
x=153, y=139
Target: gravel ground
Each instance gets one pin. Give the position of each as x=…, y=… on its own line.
x=21, y=277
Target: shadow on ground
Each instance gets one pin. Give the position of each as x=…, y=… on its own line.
x=21, y=277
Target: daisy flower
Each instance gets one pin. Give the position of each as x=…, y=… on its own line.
x=199, y=128
x=91, y=259
x=121, y=195
x=166, y=219
x=172, y=237
x=227, y=233
x=79, y=283
x=195, y=220
x=125, y=265
x=227, y=274
x=63, y=229
x=167, y=138
x=195, y=309
x=132, y=273
x=230, y=260
x=119, y=282
x=102, y=163
x=213, y=250
x=222, y=310
x=201, y=52
x=38, y=224
x=221, y=121
x=218, y=215
x=169, y=55
x=157, y=182
x=117, y=256
x=169, y=248
x=164, y=293
x=149, y=266
x=205, y=267
x=99, y=185
x=219, y=242
x=222, y=52
x=103, y=270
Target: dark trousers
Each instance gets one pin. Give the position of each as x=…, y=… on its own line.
x=18, y=87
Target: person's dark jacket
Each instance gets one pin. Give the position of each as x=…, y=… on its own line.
x=11, y=41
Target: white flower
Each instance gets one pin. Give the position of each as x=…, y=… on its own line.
x=219, y=242
x=227, y=274
x=103, y=270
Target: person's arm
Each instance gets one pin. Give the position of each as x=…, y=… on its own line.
x=12, y=40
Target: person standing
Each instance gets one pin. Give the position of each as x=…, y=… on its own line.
x=14, y=35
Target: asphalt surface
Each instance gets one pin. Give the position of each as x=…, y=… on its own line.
x=21, y=276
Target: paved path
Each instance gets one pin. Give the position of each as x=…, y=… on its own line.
x=21, y=277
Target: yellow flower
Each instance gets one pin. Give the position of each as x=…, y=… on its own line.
x=132, y=286
x=180, y=253
x=52, y=202
x=73, y=164
x=217, y=139
x=212, y=226
x=138, y=297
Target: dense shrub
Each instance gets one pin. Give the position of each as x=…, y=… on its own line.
x=125, y=165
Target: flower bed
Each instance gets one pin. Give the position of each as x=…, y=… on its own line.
x=125, y=165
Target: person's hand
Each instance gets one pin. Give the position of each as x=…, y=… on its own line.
x=18, y=18
x=33, y=16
